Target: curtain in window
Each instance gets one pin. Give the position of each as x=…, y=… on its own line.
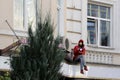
x=18, y=13
x=105, y=33
x=31, y=12
x=91, y=32
x=24, y=13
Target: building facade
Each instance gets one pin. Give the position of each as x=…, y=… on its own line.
x=97, y=23
x=94, y=21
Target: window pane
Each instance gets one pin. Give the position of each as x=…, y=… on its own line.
x=31, y=12
x=98, y=11
x=94, y=10
x=18, y=13
x=102, y=8
x=108, y=13
x=88, y=11
x=103, y=12
x=105, y=33
x=88, y=6
x=91, y=32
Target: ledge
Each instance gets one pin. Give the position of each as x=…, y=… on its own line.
x=10, y=33
x=100, y=47
x=94, y=72
x=73, y=8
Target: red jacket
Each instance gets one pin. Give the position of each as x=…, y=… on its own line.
x=79, y=51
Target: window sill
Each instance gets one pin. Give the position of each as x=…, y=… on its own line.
x=20, y=30
x=100, y=47
x=22, y=33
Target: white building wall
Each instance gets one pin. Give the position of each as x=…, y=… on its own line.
x=76, y=23
x=73, y=20
x=117, y=27
x=76, y=28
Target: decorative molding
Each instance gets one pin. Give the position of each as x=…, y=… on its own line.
x=99, y=57
x=100, y=47
x=73, y=8
x=74, y=32
x=103, y=2
x=74, y=20
x=10, y=33
x=104, y=50
x=102, y=57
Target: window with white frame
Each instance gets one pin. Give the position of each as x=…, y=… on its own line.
x=24, y=13
x=99, y=25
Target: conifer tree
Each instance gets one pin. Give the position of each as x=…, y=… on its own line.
x=41, y=58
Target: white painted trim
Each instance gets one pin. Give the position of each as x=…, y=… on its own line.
x=10, y=33
x=112, y=26
x=99, y=35
x=103, y=2
x=102, y=50
x=98, y=18
x=95, y=46
x=61, y=18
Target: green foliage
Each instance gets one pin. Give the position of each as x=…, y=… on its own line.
x=5, y=76
x=41, y=58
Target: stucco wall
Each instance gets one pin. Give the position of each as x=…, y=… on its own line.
x=117, y=27
x=73, y=22
x=6, y=13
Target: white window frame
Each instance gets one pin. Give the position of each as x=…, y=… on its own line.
x=98, y=20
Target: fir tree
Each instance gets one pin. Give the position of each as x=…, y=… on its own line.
x=41, y=58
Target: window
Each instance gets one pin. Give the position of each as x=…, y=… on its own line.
x=24, y=13
x=105, y=33
x=92, y=31
x=99, y=25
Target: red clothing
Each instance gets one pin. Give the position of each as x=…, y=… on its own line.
x=78, y=50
